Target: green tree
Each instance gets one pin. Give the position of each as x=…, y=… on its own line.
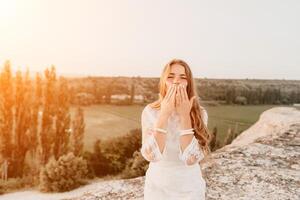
x=49, y=111
x=22, y=118
x=6, y=111
x=78, y=132
x=63, y=120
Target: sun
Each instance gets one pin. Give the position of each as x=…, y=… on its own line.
x=8, y=10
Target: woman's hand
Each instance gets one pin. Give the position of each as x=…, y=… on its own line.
x=168, y=102
x=183, y=103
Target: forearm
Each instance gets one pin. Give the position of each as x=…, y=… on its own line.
x=185, y=123
x=162, y=123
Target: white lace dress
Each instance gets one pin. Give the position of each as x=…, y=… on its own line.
x=169, y=176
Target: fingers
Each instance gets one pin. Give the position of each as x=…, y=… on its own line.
x=180, y=94
x=171, y=94
x=185, y=93
x=168, y=92
x=173, y=97
x=177, y=98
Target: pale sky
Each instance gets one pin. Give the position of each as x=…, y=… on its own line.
x=219, y=39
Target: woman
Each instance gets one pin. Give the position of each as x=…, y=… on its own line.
x=175, y=138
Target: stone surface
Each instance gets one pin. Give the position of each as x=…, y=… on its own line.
x=117, y=189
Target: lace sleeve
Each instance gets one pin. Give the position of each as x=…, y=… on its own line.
x=150, y=149
x=193, y=153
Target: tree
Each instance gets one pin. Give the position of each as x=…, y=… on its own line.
x=98, y=161
x=214, y=144
x=6, y=112
x=36, y=103
x=63, y=120
x=22, y=118
x=78, y=132
x=230, y=95
x=132, y=91
x=34, y=127
x=49, y=110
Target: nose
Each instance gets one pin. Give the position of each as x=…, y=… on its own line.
x=176, y=80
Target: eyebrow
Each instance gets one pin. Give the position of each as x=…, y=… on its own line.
x=174, y=74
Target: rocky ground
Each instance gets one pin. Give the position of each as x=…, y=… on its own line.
x=262, y=163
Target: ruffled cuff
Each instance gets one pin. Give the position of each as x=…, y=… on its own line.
x=153, y=154
x=192, y=153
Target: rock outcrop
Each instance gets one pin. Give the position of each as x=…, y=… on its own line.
x=263, y=162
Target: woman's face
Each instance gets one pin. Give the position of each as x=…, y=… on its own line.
x=176, y=76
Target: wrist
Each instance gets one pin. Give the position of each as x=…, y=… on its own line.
x=185, y=122
x=163, y=116
x=162, y=121
x=184, y=116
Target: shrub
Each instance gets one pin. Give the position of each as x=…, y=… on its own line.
x=214, y=144
x=231, y=135
x=12, y=184
x=110, y=156
x=64, y=174
x=136, y=166
x=241, y=100
x=119, y=149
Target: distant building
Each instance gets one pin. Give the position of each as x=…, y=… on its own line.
x=138, y=98
x=84, y=98
x=126, y=97
x=120, y=97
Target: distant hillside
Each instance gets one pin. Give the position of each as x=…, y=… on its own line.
x=229, y=91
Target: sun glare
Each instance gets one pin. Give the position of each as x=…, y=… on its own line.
x=8, y=10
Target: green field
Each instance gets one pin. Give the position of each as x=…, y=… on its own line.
x=106, y=121
x=236, y=117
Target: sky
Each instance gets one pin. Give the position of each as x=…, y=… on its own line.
x=255, y=39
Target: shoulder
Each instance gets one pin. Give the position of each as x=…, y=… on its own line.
x=203, y=111
x=145, y=110
x=149, y=111
x=204, y=114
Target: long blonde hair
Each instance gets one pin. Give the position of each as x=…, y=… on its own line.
x=201, y=131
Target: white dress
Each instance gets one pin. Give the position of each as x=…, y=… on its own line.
x=169, y=177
